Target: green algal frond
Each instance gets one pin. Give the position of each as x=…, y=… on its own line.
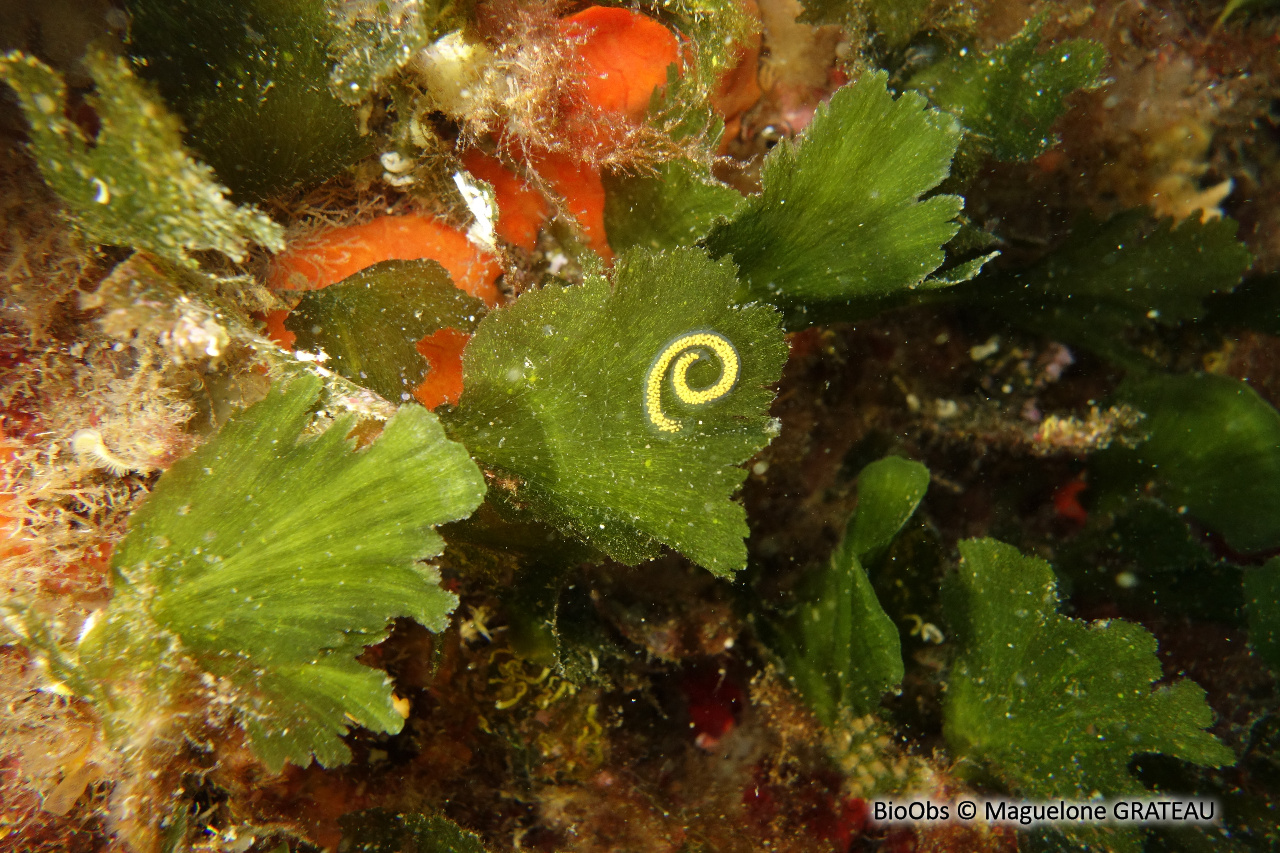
x=888, y=493
x=676, y=207
x=373, y=46
x=373, y=42
x=681, y=110
x=134, y=184
x=622, y=412
x=1140, y=553
x=839, y=647
x=369, y=323
x=836, y=12
x=962, y=271
x=1213, y=448
x=1056, y=707
x=199, y=319
x=1009, y=98
x=380, y=831
x=1262, y=601
x=1129, y=272
x=894, y=21
x=270, y=561
x=717, y=27
x=1151, y=269
x=840, y=221
x=251, y=80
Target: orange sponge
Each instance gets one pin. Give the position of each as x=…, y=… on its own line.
x=622, y=56
x=443, y=352
x=521, y=208
x=619, y=58
x=328, y=257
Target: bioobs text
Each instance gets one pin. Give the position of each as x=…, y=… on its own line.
x=888, y=811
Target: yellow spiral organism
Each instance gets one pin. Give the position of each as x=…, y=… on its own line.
x=685, y=351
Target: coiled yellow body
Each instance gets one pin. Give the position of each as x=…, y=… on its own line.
x=678, y=357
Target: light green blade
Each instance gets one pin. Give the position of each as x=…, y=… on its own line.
x=1054, y=706
x=272, y=560
x=134, y=184
x=840, y=220
x=556, y=398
